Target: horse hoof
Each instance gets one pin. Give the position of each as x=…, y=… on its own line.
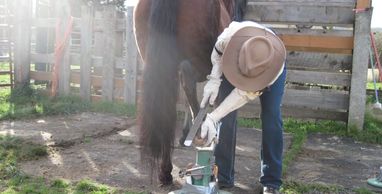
x=181, y=142
x=165, y=181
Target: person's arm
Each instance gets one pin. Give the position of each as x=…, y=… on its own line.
x=211, y=89
x=236, y=99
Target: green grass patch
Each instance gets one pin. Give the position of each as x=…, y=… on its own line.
x=87, y=186
x=4, y=79
x=24, y=103
x=292, y=187
x=370, y=86
x=13, y=181
x=118, y=108
x=249, y=123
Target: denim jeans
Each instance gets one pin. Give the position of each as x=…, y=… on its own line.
x=272, y=136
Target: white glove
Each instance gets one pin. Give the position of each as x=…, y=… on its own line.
x=211, y=89
x=209, y=129
x=236, y=99
x=210, y=92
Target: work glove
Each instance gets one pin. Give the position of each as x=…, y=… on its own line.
x=211, y=90
x=209, y=129
x=236, y=99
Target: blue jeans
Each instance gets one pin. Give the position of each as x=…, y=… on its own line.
x=272, y=136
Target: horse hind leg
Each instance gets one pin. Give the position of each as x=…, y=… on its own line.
x=189, y=80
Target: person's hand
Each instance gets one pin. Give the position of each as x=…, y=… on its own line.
x=210, y=92
x=209, y=129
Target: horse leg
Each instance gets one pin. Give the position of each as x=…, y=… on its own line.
x=165, y=170
x=189, y=80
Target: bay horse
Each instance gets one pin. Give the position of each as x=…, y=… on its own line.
x=175, y=39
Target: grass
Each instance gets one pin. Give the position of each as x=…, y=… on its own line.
x=370, y=86
x=13, y=150
x=25, y=103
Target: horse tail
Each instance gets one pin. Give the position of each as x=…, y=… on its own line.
x=157, y=111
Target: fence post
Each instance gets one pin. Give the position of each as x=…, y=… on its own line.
x=86, y=51
x=359, y=69
x=22, y=33
x=64, y=17
x=109, y=25
x=131, y=66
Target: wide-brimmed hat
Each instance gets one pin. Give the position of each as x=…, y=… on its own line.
x=253, y=58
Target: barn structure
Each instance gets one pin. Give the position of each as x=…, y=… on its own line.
x=91, y=52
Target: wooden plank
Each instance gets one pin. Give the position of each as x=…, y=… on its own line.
x=96, y=80
x=330, y=100
x=307, y=12
x=42, y=58
x=337, y=3
x=120, y=25
x=96, y=61
x=121, y=62
x=359, y=71
x=22, y=34
x=130, y=95
x=109, y=56
x=313, y=32
x=254, y=111
x=319, y=61
x=325, y=78
x=317, y=43
x=41, y=75
x=315, y=99
x=362, y=4
x=86, y=51
x=52, y=23
x=44, y=22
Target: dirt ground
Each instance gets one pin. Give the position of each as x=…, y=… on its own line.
x=104, y=148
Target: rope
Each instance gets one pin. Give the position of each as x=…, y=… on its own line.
x=372, y=74
x=60, y=46
x=376, y=55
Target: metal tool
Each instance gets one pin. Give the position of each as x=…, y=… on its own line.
x=201, y=178
x=195, y=127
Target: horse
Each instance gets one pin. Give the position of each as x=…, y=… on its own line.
x=175, y=39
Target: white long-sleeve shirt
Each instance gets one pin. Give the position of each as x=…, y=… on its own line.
x=220, y=45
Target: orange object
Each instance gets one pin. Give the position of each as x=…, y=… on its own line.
x=363, y=4
x=61, y=43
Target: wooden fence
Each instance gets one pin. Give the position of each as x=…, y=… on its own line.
x=327, y=43
x=99, y=57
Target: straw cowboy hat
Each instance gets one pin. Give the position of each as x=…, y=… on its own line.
x=253, y=58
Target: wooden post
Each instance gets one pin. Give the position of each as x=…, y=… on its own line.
x=22, y=33
x=131, y=67
x=359, y=69
x=109, y=24
x=64, y=16
x=98, y=42
x=86, y=52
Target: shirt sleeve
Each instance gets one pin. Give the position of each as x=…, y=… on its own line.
x=216, y=58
